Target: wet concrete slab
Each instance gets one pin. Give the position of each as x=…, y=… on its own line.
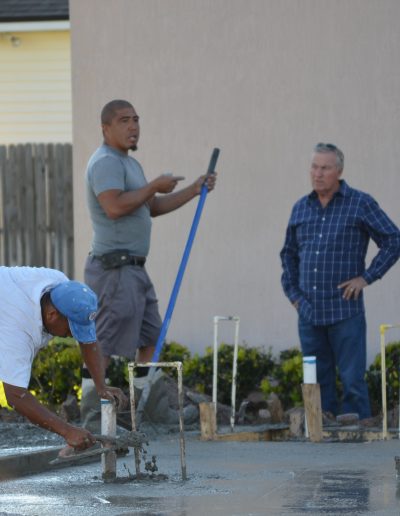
x=224, y=478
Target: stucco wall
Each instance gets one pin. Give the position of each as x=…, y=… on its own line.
x=35, y=87
x=264, y=80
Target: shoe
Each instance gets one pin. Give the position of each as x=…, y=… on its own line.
x=349, y=419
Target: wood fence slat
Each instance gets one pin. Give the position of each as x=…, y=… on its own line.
x=36, y=224
x=20, y=204
x=11, y=206
x=30, y=215
x=3, y=158
x=59, y=215
x=69, y=212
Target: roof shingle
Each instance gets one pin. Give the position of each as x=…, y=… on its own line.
x=33, y=10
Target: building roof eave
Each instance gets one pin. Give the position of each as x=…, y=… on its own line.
x=38, y=26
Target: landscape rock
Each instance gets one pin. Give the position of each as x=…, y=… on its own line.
x=275, y=407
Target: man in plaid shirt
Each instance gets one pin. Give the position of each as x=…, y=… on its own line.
x=324, y=274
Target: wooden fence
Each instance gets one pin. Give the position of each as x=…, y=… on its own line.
x=36, y=219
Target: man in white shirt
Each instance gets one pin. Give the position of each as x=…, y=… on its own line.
x=38, y=303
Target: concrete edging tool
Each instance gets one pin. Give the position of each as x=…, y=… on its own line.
x=105, y=444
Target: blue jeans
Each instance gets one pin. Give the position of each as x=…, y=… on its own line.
x=341, y=345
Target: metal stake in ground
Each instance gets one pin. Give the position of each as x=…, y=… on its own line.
x=178, y=366
x=171, y=305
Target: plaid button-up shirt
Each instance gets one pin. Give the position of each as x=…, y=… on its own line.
x=327, y=246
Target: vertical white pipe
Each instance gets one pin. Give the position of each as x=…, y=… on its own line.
x=109, y=428
x=310, y=369
x=234, y=372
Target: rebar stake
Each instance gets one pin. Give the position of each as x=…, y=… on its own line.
x=178, y=366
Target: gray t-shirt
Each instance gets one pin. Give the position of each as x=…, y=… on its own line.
x=109, y=169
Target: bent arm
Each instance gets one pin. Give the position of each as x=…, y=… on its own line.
x=160, y=205
x=93, y=359
x=27, y=405
x=118, y=203
x=386, y=235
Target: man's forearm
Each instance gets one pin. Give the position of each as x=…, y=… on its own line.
x=118, y=204
x=93, y=359
x=160, y=205
x=27, y=405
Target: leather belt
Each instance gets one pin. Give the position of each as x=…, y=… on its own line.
x=119, y=258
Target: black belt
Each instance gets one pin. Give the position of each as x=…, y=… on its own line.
x=119, y=258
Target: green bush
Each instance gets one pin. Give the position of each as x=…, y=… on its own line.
x=253, y=365
x=118, y=373
x=373, y=378
x=287, y=378
x=56, y=371
x=174, y=352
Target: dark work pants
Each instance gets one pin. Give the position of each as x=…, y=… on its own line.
x=341, y=345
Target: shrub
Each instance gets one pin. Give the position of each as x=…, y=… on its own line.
x=373, y=378
x=173, y=352
x=56, y=371
x=118, y=373
x=287, y=378
x=253, y=365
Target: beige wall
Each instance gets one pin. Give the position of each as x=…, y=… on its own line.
x=35, y=87
x=263, y=80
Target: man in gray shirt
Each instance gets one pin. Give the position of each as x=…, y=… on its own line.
x=121, y=203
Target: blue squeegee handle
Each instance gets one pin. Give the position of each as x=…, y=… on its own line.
x=185, y=258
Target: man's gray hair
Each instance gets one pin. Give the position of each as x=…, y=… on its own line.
x=329, y=147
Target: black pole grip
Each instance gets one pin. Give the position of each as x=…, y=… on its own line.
x=213, y=161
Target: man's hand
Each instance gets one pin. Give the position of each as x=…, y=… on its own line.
x=79, y=438
x=208, y=179
x=166, y=183
x=353, y=287
x=115, y=395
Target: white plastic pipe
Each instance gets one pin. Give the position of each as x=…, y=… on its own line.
x=310, y=369
x=109, y=428
x=236, y=320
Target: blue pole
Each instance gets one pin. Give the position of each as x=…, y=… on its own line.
x=175, y=290
x=185, y=258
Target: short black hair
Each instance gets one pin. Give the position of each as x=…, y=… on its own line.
x=109, y=110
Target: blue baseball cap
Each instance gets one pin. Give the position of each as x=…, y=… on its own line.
x=78, y=303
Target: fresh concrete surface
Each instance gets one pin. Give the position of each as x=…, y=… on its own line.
x=224, y=478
